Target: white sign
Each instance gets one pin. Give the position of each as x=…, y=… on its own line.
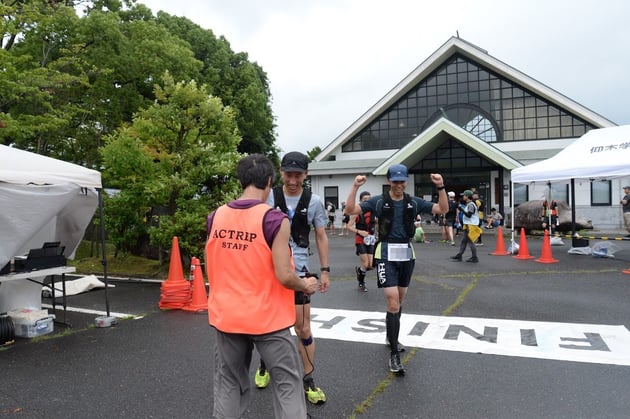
x=593, y=343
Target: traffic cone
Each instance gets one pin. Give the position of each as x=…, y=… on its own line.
x=500, y=249
x=627, y=271
x=523, y=251
x=545, y=256
x=175, y=291
x=199, y=301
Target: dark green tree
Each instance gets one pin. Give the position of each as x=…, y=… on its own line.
x=174, y=164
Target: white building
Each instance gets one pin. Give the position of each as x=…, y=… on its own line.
x=472, y=118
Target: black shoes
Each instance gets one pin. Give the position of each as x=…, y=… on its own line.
x=361, y=279
x=457, y=258
x=394, y=364
x=473, y=259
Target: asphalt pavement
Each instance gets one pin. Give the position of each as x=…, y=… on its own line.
x=158, y=363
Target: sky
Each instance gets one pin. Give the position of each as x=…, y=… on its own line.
x=329, y=61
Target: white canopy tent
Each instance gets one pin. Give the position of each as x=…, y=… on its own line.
x=44, y=200
x=599, y=154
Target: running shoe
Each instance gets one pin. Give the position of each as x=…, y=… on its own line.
x=314, y=394
x=362, y=287
x=261, y=379
x=394, y=364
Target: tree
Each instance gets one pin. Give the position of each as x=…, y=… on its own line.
x=239, y=83
x=173, y=165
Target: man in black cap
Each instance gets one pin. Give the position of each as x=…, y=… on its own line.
x=304, y=209
x=625, y=205
x=394, y=255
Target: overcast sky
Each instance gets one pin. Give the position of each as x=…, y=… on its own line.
x=328, y=61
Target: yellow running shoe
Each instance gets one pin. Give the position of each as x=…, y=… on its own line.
x=314, y=394
x=262, y=380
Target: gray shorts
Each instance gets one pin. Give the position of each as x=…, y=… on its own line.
x=233, y=381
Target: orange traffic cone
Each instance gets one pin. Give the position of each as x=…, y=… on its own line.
x=175, y=291
x=627, y=271
x=545, y=256
x=500, y=249
x=199, y=301
x=523, y=251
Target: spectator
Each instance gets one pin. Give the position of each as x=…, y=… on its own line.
x=419, y=236
x=480, y=212
x=471, y=228
x=550, y=216
x=494, y=219
x=625, y=203
x=330, y=211
x=449, y=220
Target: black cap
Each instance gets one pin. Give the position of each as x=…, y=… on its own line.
x=294, y=162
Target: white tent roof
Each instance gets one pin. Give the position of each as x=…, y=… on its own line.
x=43, y=199
x=22, y=167
x=599, y=154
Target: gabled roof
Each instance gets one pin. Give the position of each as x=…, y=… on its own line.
x=452, y=46
x=434, y=136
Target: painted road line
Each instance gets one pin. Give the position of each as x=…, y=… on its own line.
x=97, y=312
x=592, y=343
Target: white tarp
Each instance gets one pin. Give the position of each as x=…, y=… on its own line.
x=599, y=154
x=43, y=199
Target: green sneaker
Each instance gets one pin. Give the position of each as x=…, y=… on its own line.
x=262, y=380
x=314, y=394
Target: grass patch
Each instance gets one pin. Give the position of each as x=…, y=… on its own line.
x=89, y=261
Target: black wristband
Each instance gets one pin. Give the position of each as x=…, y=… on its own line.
x=440, y=188
x=325, y=269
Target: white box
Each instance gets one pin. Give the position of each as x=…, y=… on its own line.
x=31, y=323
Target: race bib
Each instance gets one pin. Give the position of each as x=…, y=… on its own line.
x=398, y=252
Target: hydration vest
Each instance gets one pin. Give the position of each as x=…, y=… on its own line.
x=361, y=224
x=386, y=211
x=300, y=229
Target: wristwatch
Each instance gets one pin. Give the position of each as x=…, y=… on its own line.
x=325, y=269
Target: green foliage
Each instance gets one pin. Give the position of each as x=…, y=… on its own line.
x=174, y=164
x=72, y=85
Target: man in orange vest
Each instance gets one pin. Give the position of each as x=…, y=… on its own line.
x=252, y=282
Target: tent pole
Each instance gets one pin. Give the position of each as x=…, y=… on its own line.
x=572, y=207
x=512, y=214
x=104, y=251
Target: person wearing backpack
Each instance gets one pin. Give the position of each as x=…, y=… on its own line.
x=472, y=231
x=305, y=210
x=394, y=254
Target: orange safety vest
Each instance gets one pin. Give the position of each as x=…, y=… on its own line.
x=245, y=295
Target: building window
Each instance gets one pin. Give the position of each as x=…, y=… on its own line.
x=484, y=103
x=521, y=194
x=331, y=194
x=601, y=193
x=560, y=192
